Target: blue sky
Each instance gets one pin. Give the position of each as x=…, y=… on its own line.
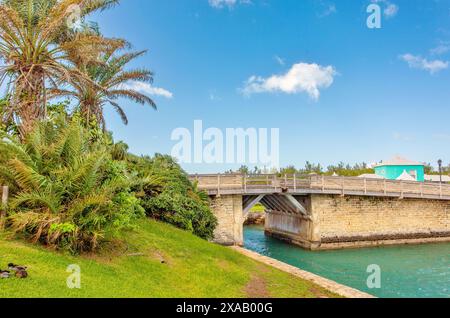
x=375, y=93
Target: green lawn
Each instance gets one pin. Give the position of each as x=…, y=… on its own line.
x=191, y=268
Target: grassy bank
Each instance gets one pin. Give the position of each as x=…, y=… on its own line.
x=157, y=260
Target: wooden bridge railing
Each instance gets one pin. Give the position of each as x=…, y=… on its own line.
x=221, y=183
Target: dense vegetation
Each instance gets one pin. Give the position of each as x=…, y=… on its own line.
x=66, y=189
x=431, y=170
x=177, y=202
x=71, y=186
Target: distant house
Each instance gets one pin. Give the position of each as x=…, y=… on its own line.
x=399, y=168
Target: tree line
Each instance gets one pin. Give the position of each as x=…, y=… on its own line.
x=341, y=169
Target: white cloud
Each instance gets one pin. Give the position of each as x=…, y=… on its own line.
x=403, y=137
x=329, y=10
x=442, y=48
x=421, y=63
x=220, y=4
x=302, y=77
x=390, y=10
x=146, y=88
x=279, y=60
x=213, y=96
x=441, y=136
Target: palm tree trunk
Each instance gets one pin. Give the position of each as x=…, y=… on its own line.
x=29, y=100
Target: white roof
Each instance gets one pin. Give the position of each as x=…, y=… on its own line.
x=436, y=178
x=405, y=176
x=399, y=161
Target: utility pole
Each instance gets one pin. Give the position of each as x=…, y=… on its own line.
x=440, y=170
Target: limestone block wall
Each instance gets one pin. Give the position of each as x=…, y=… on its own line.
x=229, y=212
x=358, y=218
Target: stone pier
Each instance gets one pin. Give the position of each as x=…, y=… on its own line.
x=229, y=212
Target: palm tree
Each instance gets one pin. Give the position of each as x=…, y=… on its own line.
x=108, y=82
x=38, y=48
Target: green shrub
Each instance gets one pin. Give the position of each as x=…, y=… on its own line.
x=66, y=190
x=175, y=200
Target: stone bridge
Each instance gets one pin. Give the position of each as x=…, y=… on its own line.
x=320, y=212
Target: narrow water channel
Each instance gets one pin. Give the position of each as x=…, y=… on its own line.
x=406, y=271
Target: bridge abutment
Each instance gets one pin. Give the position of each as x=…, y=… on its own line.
x=229, y=211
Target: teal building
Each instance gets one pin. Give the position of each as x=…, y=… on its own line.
x=400, y=168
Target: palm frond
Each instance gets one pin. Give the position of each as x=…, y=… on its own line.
x=120, y=111
x=133, y=95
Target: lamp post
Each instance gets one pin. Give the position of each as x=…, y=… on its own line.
x=440, y=170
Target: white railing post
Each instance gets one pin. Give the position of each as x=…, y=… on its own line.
x=365, y=186
x=385, y=187
x=401, y=187
x=295, y=182
x=245, y=183
x=5, y=192
x=323, y=183
x=343, y=186
x=4, y=203
x=421, y=190
x=218, y=184
x=440, y=190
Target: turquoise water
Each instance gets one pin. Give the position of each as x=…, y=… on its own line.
x=406, y=271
